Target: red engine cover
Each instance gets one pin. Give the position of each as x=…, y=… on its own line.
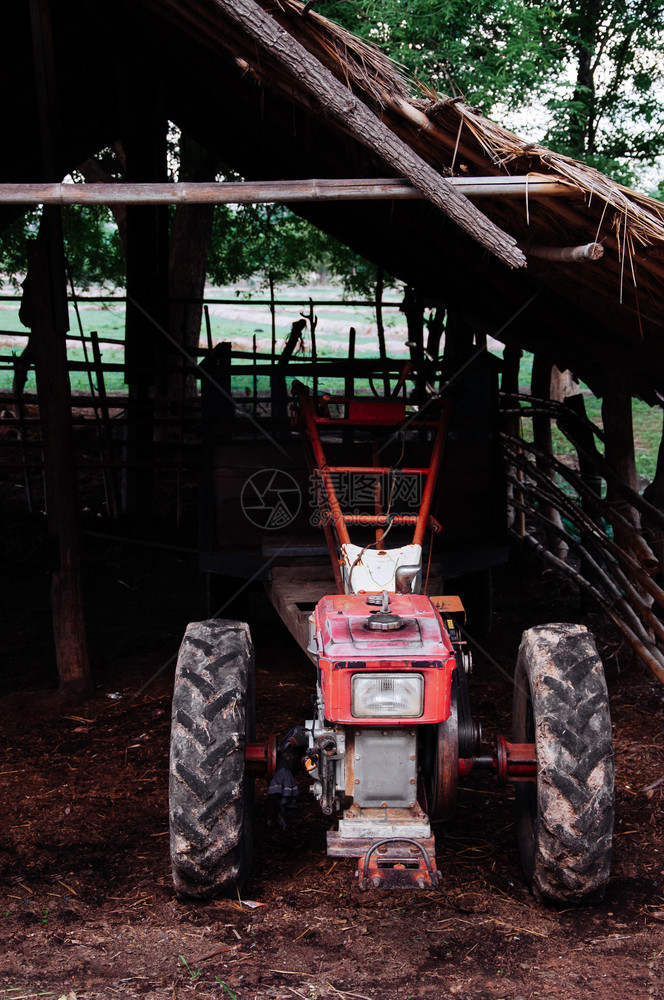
x=346, y=646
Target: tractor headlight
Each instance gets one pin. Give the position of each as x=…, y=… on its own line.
x=381, y=696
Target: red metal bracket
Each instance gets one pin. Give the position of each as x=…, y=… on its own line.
x=509, y=762
x=514, y=761
x=261, y=758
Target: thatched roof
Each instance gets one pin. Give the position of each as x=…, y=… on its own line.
x=228, y=87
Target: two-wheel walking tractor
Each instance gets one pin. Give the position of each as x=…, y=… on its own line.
x=392, y=731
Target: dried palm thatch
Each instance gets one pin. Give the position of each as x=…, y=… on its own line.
x=447, y=131
x=361, y=65
x=507, y=153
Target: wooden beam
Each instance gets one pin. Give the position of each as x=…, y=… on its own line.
x=265, y=192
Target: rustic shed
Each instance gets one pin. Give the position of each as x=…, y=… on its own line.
x=510, y=239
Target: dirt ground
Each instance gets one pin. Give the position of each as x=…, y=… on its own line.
x=86, y=904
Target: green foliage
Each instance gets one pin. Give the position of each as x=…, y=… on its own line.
x=14, y=246
x=92, y=246
x=269, y=243
x=489, y=51
x=596, y=65
x=263, y=241
x=608, y=110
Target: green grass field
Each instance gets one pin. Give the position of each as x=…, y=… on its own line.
x=244, y=320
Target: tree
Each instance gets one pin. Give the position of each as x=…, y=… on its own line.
x=597, y=66
x=92, y=246
x=489, y=51
x=612, y=117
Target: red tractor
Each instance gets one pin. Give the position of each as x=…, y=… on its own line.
x=392, y=730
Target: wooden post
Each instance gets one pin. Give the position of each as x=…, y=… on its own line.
x=382, y=350
x=435, y=326
x=47, y=293
x=273, y=312
x=540, y=387
x=619, y=437
x=110, y=483
x=347, y=435
x=516, y=518
x=582, y=436
x=278, y=389
x=654, y=494
x=413, y=309
x=312, y=320
x=254, y=376
x=46, y=313
x=147, y=291
x=187, y=267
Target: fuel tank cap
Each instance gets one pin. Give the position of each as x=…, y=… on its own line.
x=384, y=621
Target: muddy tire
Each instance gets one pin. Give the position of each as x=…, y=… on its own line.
x=564, y=818
x=210, y=796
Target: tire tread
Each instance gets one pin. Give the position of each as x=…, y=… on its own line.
x=209, y=794
x=566, y=846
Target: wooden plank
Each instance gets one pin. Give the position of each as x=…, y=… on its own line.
x=295, y=593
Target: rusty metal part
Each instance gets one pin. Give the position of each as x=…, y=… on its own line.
x=450, y=605
x=398, y=863
x=261, y=758
x=327, y=746
x=312, y=438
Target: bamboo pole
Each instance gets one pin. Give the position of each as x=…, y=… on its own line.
x=267, y=192
x=633, y=498
x=382, y=351
x=644, y=648
x=590, y=251
x=510, y=388
x=348, y=434
x=593, y=536
x=591, y=531
x=643, y=551
x=605, y=579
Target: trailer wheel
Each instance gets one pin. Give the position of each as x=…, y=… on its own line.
x=565, y=817
x=210, y=796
